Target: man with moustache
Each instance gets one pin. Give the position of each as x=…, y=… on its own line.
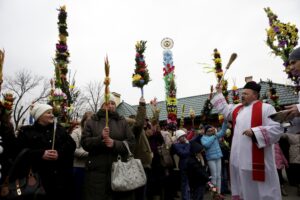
x=252, y=167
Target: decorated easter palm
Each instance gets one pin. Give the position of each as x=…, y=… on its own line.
x=282, y=38
x=141, y=77
x=170, y=85
x=60, y=95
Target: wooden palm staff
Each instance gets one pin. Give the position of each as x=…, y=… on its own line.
x=182, y=116
x=2, y=55
x=54, y=132
x=106, y=83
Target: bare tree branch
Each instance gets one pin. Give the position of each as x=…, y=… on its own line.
x=22, y=84
x=92, y=94
x=79, y=107
x=78, y=104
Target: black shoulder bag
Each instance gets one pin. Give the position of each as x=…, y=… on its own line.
x=27, y=187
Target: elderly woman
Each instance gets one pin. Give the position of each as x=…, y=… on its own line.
x=103, y=145
x=53, y=165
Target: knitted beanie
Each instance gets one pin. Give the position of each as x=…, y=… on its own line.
x=179, y=133
x=39, y=109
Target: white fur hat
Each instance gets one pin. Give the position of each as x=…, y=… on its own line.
x=111, y=98
x=179, y=133
x=39, y=109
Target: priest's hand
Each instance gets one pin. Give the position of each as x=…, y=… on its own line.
x=248, y=133
x=292, y=111
x=142, y=101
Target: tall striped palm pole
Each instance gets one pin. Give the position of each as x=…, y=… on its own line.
x=170, y=86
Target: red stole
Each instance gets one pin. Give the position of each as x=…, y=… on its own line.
x=258, y=160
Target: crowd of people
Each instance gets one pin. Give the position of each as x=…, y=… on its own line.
x=76, y=164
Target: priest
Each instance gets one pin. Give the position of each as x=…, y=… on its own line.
x=252, y=167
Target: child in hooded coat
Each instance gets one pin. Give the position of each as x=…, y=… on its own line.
x=196, y=171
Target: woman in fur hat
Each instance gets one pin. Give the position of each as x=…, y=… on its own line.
x=104, y=144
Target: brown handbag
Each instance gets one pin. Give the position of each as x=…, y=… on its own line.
x=165, y=156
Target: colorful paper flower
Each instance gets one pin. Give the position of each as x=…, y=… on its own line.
x=235, y=94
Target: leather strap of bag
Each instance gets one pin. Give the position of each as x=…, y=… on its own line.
x=167, y=145
x=127, y=147
x=15, y=163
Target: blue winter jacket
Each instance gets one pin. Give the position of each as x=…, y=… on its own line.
x=211, y=144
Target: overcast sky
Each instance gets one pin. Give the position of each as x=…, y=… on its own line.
x=28, y=33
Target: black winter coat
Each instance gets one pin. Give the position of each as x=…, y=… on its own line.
x=56, y=175
x=9, y=149
x=197, y=174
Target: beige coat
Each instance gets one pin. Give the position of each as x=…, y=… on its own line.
x=294, y=151
x=80, y=155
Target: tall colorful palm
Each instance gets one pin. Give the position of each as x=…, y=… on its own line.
x=282, y=38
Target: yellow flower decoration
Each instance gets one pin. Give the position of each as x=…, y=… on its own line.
x=234, y=87
x=218, y=60
x=136, y=77
x=219, y=74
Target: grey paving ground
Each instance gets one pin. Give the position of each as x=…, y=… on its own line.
x=291, y=190
x=292, y=194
